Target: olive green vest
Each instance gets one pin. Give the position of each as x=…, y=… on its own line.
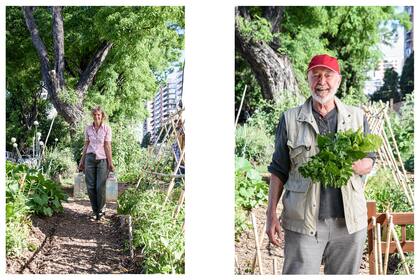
x=301, y=195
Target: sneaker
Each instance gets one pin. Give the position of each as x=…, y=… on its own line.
x=98, y=216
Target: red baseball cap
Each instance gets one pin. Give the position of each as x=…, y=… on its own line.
x=324, y=60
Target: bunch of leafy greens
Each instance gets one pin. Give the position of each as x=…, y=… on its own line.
x=332, y=166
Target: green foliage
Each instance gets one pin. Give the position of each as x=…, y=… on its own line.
x=389, y=90
x=253, y=143
x=351, y=33
x=257, y=29
x=58, y=161
x=409, y=260
x=403, y=129
x=267, y=114
x=147, y=41
x=381, y=187
x=250, y=189
x=44, y=195
x=250, y=192
x=241, y=221
x=406, y=82
x=126, y=151
x=332, y=166
x=17, y=222
x=155, y=231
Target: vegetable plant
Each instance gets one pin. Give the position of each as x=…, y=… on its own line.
x=332, y=166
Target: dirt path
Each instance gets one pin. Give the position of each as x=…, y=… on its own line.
x=73, y=242
x=245, y=250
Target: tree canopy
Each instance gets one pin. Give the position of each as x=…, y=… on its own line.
x=80, y=56
x=352, y=34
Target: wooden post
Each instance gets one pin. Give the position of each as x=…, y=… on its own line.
x=130, y=237
x=400, y=250
x=388, y=242
x=379, y=243
x=240, y=106
x=257, y=243
x=375, y=245
x=274, y=265
x=371, y=207
x=261, y=240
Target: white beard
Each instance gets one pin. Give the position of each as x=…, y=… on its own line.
x=324, y=100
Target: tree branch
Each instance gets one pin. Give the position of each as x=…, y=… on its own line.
x=88, y=75
x=37, y=42
x=58, y=40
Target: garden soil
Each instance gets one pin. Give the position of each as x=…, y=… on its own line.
x=74, y=242
x=245, y=250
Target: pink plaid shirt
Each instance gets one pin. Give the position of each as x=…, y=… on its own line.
x=97, y=139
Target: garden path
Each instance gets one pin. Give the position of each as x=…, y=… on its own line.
x=74, y=242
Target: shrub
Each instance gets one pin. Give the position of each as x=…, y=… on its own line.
x=250, y=191
x=403, y=127
x=155, y=231
x=381, y=188
x=59, y=162
x=17, y=221
x=254, y=144
x=44, y=196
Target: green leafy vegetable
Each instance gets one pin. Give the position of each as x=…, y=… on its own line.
x=332, y=166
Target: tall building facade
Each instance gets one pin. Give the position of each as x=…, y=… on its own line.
x=165, y=103
x=393, y=57
x=408, y=35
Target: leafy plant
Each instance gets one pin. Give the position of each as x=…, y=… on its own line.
x=58, y=162
x=17, y=221
x=241, y=221
x=250, y=189
x=44, y=195
x=254, y=144
x=403, y=127
x=332, y=166
x=155, y=231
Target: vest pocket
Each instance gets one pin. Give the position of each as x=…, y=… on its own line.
x=299, y=155
x=294, y=199
x=357, y=200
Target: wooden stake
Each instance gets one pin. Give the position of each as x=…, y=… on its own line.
x=274, y=266
x=130, y=237
x=240, y=106
x=179, y=206
x=388, y=242
x=375, y=244
x=172, y=182
x=261, y=239
x=257, y=243
x=238, y=269
x=379, y=241
x=400, y=250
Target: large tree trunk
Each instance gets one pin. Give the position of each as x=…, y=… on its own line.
x=273, y=71
x=54, y=78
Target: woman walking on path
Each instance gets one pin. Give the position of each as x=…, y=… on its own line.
x=97, y=160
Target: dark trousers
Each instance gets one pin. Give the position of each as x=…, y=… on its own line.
x=96, y=173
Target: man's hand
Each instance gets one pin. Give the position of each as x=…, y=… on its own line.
x=273, y=230
x=111, y=167
x=362, y=166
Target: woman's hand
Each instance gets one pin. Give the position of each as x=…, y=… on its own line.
x=111, y=167
x=81, y=166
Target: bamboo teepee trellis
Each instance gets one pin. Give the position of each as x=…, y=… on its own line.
x=380, y=124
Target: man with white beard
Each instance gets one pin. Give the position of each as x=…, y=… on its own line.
x=320, y=223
